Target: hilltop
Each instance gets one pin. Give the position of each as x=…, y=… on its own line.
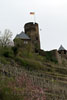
x=29, y=73
x=32, y=76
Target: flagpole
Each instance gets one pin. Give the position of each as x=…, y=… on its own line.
x=34, y=18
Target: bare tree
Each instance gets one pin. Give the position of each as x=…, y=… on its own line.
x=5, y=38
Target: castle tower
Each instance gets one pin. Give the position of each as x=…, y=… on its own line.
x=32, y=30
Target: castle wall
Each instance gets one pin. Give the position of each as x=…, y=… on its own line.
x=52, y=55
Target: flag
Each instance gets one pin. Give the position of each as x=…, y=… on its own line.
x=32, y=13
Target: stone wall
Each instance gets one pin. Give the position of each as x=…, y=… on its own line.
x=52, y=55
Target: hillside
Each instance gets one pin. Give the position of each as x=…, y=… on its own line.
x=30, y=76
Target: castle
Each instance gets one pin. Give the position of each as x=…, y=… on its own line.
x=29, y=38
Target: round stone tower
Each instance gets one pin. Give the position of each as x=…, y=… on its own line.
x=32, y=30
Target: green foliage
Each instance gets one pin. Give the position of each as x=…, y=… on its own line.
x=15, y=50
x=7, y=94
x=35, y=56
x=49, y=55
x=30, y=64
x=3, y=60
x=6, y=52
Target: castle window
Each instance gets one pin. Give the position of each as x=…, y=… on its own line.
x=64, y=52
x=25, y=42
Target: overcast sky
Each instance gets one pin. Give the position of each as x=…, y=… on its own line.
x=50, y=14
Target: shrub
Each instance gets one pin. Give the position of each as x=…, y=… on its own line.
x=15, y=50
x=30, y=64
x=6, y=52
x=49, y=55
x=6, y=93
x=3, y=60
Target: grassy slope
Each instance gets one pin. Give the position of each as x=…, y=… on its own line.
x=51, y=77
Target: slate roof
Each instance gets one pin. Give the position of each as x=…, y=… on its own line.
x=62, y=48
x=22, y=35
